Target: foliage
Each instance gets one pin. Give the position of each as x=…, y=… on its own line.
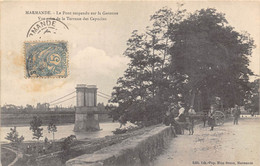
x=127, y=129
x=211, y=57
x=66, y=144
x=120, y=131
x=113, y=112
x=35, y=127
x=252, y=100
x=196, y=58
x=13, y=136
x=52, y=128
x=101, y=107
x=141, y=92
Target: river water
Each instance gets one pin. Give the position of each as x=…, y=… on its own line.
x=62, y=131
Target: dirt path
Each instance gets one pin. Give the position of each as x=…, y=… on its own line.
x=226, y=145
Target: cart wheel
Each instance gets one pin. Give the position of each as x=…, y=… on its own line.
x=219, y=118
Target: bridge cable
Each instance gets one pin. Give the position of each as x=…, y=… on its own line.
x=103, y=97
x=63, y=101
x=104, y=94
x=100, y=95
x=62, y=97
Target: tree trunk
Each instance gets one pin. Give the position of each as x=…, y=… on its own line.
x=199, y=102
x=222, y=105
x=37, y=148
x=153, y=68
x=193, y=94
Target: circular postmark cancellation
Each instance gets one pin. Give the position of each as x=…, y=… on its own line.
x=46, y=59
x=46, y=26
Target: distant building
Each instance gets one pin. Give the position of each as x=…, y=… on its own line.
x=42, y=107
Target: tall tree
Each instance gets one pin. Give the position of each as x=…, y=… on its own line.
x=36, y=124
x=52, y=128
x=211, y=57
x=183, y=57
x=146, y=77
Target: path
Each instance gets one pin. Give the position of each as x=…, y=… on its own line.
x=226, y=145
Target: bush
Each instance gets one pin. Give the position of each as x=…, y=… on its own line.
x=128, y=129
x=13, y=136
x=119, y=131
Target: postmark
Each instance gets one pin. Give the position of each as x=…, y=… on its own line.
x=46, y=59
x=46, y=26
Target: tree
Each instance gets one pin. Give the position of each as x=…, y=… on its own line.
x=13, y=136
x=29, y=107
x=52, y=129
x=146, y=78
x=211, y=58
x=66, y=146
x=252, y=100
x=196, y=58
x=35, y=127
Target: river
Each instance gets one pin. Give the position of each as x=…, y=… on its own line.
x=62, y=131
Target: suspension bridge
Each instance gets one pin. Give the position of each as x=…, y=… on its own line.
x=86, y=116
x=72, y=95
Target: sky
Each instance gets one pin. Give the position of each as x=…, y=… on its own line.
x=95, y=47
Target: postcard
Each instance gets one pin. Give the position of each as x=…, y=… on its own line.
x=157, y=83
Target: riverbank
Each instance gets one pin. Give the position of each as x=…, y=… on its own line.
x=63, y=131
x=54, y=155
x=139, y=149
x=60, y=118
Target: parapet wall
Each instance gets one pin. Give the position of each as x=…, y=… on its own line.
x=134, y=151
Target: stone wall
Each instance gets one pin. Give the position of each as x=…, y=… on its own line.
x=139, y=150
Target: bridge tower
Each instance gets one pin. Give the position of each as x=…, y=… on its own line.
x=85, y=119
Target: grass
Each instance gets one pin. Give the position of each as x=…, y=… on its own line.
x=7, y=156
x=78, y=147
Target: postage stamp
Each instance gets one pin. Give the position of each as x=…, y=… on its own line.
x=46, y=59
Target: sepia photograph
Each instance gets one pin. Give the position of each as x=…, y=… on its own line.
x=130, y=83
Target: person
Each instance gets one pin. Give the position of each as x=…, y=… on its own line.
x=44, y=149
x=236, y=114
x=172, y=114
x=169, y=120
x=191, y=112
x=211, y=119
x=28, y=150
x=122, y=120
x=181, y=116
x=205, y=117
